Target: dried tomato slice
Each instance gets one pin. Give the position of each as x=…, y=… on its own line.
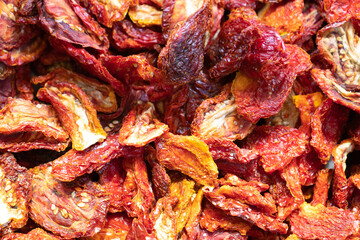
x=26, y=125
x=76, y=112
x=107, y=12
x=145, y=15
x=187, y=154
x=338, y=11
x=327, y=124
x=71, y=210
x=320, y=222
x=117, y=226
x=217, y=118
x=268, y=141
x=336, y=42
x=182, y=58
x=102, y=96
x=76, y=163
x=15, y=194
x=140, y=126
x=322, y=186
x=36, y=233
x=68, y=21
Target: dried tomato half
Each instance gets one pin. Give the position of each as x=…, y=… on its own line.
x=68, y=21
x=217, y=118
x=76, y=112
x=140, y=126
x=15, y=194
x=340, y=10
x=268, y=141
x=71, y=210
x=25, y=125
x=320, y=222
x=36, y=233
x=102, y=96
x=145, y=15
x=337, y=43
x=187, y=154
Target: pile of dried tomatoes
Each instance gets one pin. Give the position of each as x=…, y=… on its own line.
x=178, y=119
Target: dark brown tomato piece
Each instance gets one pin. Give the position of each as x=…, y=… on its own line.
x=217, y=118
x=68, y=21
x=76, y=112
x=26, y=125
x=182, y=58
x=71, y=210
x=268, y=141
x=327, y=126
x=37, y=233
x=15, y=194
x=117, y=226
x=140, y=126
x=102, y=96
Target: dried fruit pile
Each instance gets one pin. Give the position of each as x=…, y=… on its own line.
x=178, y=119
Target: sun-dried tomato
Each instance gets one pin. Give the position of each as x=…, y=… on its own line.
x=227, y=199
x=187, y=154
x=192, y=227
x=338, y=11
x=217, y=118
x=327, y=126
x=68, y=21
x=263, y=93
x=127, y=36
x=308, y=166
x=102, y=96
x=137, y=196
x=320, y=222
x=287, y=18
x=221, y=234
x=341, y=187
x=26, y=125
x=107, y=12
x=76, y=112
x=322, y=186
x=145, y=15
x=7, y=90
x=268, y=141
x=15, y=194
x=90, y=63
x=182, y=58
x=233, y=4
x=213, y=218
x=140, y=126
x=341, y=82
x=117, y=226
x=36, y=233
x=71, y=210
x=76, y=163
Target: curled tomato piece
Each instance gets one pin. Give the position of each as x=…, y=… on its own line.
x=117, y=226
x=25, y=125
x=213, y=219
x=127, y=35
x=327, y=126
x=341, y=186
x=76, y=112
x=145, y=15
x=140, y=126
x=187, y=154
x=217, y=118
x=75, y=163
x=15, y=194
x=182, y=58
x=268, y=141
x=68, y=21
x=36, y=233
x=320, y=222
x=108, y=12
x=137, y=196
x=227, y=199
x=102, y=96
x=90, y=63
x=338, y=11
x=71, y=210
x=322, y=186
x=337, y=43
